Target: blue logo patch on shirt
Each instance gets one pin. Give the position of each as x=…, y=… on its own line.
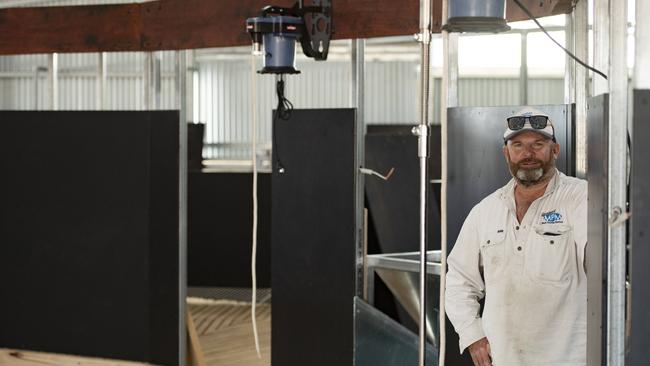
x=551, y=217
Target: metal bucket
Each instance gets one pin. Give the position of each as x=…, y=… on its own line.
x=477, y=16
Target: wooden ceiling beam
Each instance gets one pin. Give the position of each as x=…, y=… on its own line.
x=189, y=24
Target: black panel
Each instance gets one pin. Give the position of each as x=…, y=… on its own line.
x=639, y=342
x=89, y=234
x=163, y=229
x=394, y=204
x=596, y=251
x=313, y=223
x=195, y=132
x=220, y=223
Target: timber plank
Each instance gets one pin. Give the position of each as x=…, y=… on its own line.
x=28, y=358
x=192, y=24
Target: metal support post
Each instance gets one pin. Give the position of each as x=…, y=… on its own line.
x=181, y=82
x=448, y=98
x=617, y=184
x=422, y=131
x=581, y=89
x=53, y=78
x=357, y=101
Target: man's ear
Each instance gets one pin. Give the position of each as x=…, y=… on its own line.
x=556, y=150
x=505, y=151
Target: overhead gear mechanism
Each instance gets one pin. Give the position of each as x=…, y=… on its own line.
x=277, y=29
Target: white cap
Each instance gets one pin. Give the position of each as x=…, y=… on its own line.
x=548, y=131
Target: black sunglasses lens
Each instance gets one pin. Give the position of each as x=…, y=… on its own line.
x=516, y=123
x=538, y=122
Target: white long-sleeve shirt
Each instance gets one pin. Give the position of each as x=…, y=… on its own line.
x=530, y=273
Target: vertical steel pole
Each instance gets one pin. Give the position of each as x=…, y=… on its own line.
x=357, y=100
x=181, y=93
x=357, y=87
x=448, y=98
x=581, y=42
x=617, y=185
x=422, y=131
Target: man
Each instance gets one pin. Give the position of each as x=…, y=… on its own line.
x=522, y=248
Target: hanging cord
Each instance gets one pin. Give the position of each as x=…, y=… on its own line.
x=282, y=111
x=254, y=249
x=533, y=18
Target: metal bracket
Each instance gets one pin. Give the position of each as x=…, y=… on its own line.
x=422, y=131
x=424, y=37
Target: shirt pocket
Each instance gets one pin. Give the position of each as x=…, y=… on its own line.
x=551, y=254
x=493, y=252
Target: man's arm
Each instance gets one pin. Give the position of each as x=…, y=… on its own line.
x=464, y=285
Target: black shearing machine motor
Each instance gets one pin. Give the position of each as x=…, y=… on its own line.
x=277, y=29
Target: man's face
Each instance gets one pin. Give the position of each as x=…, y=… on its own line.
x=531, y=157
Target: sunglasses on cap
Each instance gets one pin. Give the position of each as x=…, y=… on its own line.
x=517, y=122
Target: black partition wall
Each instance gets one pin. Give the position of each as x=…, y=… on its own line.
x=219, y=230
x=89, y=234
x=313, y=252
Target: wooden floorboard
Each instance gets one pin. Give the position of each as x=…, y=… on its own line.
x=29, y=358
x=226, y=333
x=224, y=330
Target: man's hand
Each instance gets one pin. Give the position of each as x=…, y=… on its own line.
x=480, y=351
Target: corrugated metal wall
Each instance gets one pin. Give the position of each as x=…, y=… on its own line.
x=24, y=83
x=224, y=91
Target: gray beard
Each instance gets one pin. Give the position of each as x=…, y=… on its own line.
x=529, y=177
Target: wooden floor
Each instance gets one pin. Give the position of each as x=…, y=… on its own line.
x=29, y=358
x=224, y=330
x=226, y=333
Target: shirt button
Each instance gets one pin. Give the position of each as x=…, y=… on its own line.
x=517, y=227
x=519, y=248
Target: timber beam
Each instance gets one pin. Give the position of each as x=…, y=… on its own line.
x=191, y=24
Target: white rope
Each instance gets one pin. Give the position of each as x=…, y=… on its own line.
x=254, y=157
